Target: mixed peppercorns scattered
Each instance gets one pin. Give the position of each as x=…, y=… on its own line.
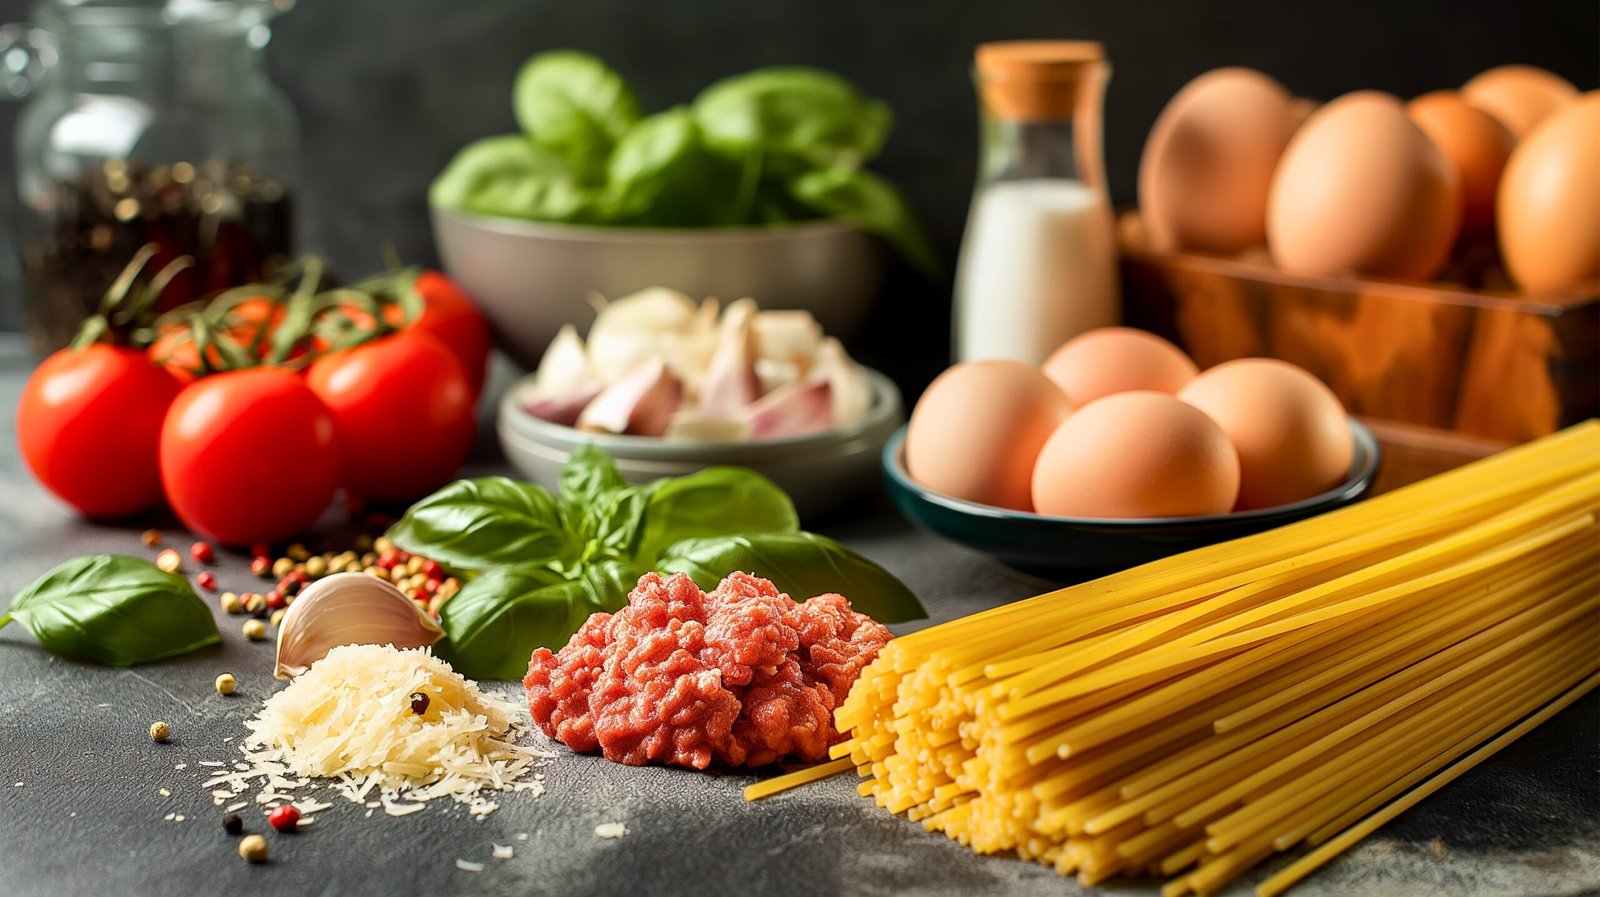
x=423, y=580
x=169, y=560
x=419, y=703
x=254, y=630
x=226, y=684
x=232, y=824
x=160, y=732
x=285, y=818
x=206, y=580
x=253, y=848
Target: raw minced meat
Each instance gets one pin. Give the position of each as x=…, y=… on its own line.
x=739, y=676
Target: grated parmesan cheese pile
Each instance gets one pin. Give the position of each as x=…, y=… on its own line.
x=347, y=722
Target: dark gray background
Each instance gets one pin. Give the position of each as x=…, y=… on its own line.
x=388, y=89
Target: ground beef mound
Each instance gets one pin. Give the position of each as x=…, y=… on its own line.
x=739, y=676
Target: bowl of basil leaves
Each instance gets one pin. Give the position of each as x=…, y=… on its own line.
x=756, y=187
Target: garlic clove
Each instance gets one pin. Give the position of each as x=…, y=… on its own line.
x=640, y=404
x=696, y=427
x=561, y=409
x=564, y=368
x=790, y=336
x=689, y=352
x=851, y=391
x=629, y=331
x=349, y=609
x=731, y=383
x=798, y=409
x=775, y=375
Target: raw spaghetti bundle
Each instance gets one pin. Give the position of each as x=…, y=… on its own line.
x=1191, y=717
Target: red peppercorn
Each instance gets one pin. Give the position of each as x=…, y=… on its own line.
x=285, y=818
x=275, y=600
x=261, y=565
x=202, y=552
x=388, y=559
x=432, y=570
x=261, y=550
x=287, y=587
x=206, y=580
x=419, y=596
x=299, y=577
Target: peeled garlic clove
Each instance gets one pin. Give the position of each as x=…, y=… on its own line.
x=561, y=409
x=790, y=336
x=630, y=330
x=564, y=368
x=696, y=427
x=851, y=391
x=689, y=352
x=731, y=382
x=794, y=410
x=640, y=404
x=776, y=374
x=349, y=609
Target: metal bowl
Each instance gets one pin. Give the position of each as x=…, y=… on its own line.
x=530, y=278
x=821, y=472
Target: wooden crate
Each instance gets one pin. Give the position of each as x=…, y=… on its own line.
x=1496, y=366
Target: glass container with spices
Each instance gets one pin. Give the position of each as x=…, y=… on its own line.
x=1038, y=260
x=148, y=121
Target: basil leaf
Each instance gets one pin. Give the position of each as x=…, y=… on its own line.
x=662, y=175
x=576, y=106
x=717, y=501
x=115, y=610
x=872, y=204
x=812, y=117
x=510, y=176
x=588, y=474
x=608, y=582
x=802, y=565
x=487, y=522
x=496, y=620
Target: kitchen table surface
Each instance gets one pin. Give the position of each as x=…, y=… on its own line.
x=87, y=813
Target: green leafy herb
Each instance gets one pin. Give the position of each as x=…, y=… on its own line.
x=801, y=117
x=576, y=106
x=662, y=175
x=512, y=177
x=497, y=619
x=489, y=522
x=588, y=474
x=717, y=501
x=872, y=204
x=114, y=610
x=801, y=565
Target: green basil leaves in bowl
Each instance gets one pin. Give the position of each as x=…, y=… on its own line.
x=757, y=187
x=538, y=563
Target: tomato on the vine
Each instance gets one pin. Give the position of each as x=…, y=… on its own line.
x=404, y=413
x=89, y=423
x=449, y=316
x=249, y=456
x=249, y=323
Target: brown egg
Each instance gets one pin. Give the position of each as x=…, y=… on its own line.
x=1474, y=143
x=978, y=428
x=1109, y=360
x=1362, y=190
x=1289, y=429
x=1136, y=454
x=1208, y=163
x=1518, y=96
x=1549, y=213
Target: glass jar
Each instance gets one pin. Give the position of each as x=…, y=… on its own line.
x=1038, y=259
x=148, y=121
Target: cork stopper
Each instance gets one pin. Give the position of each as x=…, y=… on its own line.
x=1039, y=80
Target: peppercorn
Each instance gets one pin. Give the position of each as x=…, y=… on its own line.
x=397, y=575
x=376, y=573
x=253, y=848
x=419, y=702
x=160, y=731
x=202, y=552
x=232, y=824
x=261, y=566
x=298, y=552
x=382, y=544
x=285, y=818
x=335, y=565
x=316, y=566
x=287, y=587
x=151, y=538
x=282, y=567
x=432, y=568
x=277, y=616
x=255, y=605
x=368, y=559
x=169, y=560
x=435, y=603
x=254, y=630
x=226, y=684
x=413, y=565
x=261, y=550
x=206, y=580
x=231, y=603
x=274, y=599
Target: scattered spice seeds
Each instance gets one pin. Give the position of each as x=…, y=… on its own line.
x=277, y=616
x=151, y=538
x=231, y=603
x=285, y=818
x=232, y=824
x=254, y=630
x=202, y=552
x=206, y=580
x=253, y=848
x=160, y=732
x=226, y=684
x=261, y=565
x=419, y=702
x=255, y=605
x=169, y=560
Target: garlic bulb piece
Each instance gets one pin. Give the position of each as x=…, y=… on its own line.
x=349, y=609
x=851, y=390
x=564, y=368
x=640, y=404
x=629, y=331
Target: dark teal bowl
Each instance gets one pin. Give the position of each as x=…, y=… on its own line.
x=1075, y=549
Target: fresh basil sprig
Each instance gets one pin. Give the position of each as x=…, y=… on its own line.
x=115, y=610
x=538, y=565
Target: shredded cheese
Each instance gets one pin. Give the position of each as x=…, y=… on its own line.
x=347, y=723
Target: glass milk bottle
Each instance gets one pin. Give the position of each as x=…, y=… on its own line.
x=1038, y=260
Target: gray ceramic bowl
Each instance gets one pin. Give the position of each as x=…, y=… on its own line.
x=530, y=278
x=821, y=472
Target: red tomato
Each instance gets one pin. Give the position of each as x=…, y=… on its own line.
x=403, y=411
x=451, y=318
x=249, y=456
x=89, y=423
x=174, y=349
